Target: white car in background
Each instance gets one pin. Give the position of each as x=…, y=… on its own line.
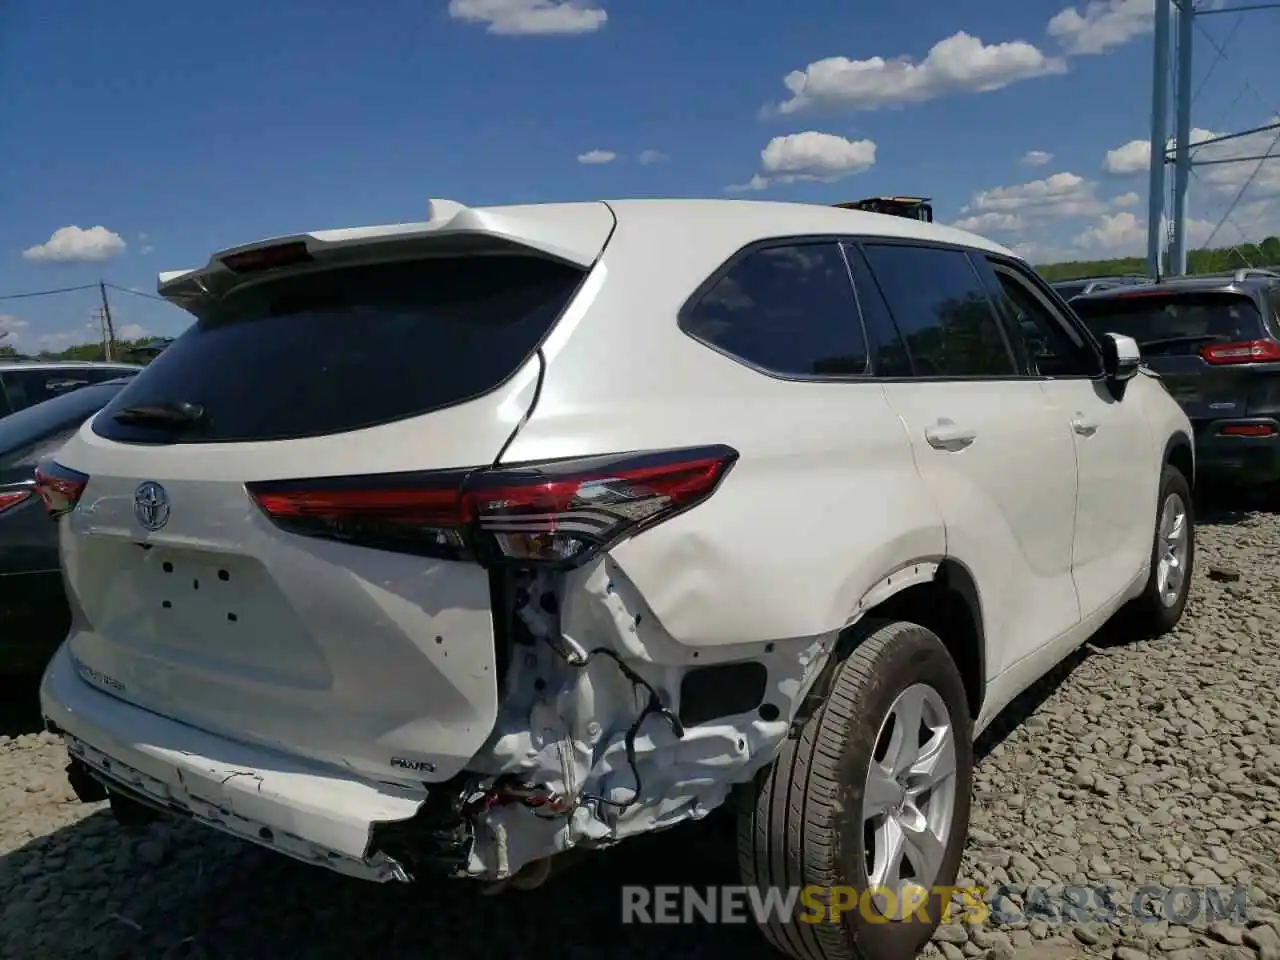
x=452, y=546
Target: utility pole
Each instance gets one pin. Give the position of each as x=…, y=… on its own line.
x=1182, y=140
x=102, y=331
x=110, y=343
x=1159, y=137
x=1181, y=156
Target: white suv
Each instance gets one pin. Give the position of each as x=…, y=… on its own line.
x=452, y=546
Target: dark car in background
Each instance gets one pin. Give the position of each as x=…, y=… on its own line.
x=1215, y=341
x=34, y=616
x=24, y=383
x=1083, y=285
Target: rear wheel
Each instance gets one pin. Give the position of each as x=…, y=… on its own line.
x=869, y=805
x=1159, y=607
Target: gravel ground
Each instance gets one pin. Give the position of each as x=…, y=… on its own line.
x=1149, y=763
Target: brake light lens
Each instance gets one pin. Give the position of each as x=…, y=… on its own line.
x=11, y=498
x=1246, y=351
x=559, y=513
x=267, y=258
x=1247, y=430
x=59, y=487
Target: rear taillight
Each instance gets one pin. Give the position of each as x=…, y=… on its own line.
x=1247, y=430
x=558, y=513
x=59, y=487
x=11, y=498
x=1246, y=351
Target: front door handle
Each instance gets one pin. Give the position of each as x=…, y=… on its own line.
x=1085, y=428
x=948, y=435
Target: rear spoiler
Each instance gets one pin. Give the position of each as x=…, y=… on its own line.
x=574, y=233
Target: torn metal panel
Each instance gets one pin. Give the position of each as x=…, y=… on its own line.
x=569, y=708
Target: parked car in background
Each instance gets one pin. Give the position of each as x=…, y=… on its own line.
x=24, y=383
x=34, y=616
x=623, y=509
x=1082, y=285
x=1215, y=341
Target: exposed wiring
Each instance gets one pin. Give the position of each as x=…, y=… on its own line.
x=654, y=706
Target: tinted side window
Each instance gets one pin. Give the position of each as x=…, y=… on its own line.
x=789, y=310
x=1049, y=347
x=888, y=352
x=33, y=424
x=943, y=311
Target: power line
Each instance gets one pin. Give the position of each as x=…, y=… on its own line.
x=136, y=293
x=47, y=293
x=1243, y=187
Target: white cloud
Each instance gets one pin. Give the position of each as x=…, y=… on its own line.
x=1114, y=233
x=812, y=156
x=652, y=156
x=756, y=183
x=990, y=223
x=77, y=245
x=1104, y=25
x=1130, y=158
x=11, y=328
x=959, y=63
x=816, y=156
x=1126, y=200
x=146, y=248
x=1125, y=234
x=1036, y=158
x=131, y=331
x=597, y=157
x=1059, y=195
x=531, y=17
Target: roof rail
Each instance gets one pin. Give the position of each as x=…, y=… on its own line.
x=1244, y=273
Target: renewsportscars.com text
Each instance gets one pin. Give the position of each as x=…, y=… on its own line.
x=1146, y=903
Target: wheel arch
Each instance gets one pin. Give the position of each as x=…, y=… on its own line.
x=1179, y=452
x=947, y=602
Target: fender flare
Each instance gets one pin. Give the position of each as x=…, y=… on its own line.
x=1179, y=440
x=947, y=572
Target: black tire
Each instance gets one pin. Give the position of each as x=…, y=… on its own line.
x=1148, y=614
x=794, y=830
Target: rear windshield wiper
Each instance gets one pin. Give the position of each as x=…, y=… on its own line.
x=180, y=414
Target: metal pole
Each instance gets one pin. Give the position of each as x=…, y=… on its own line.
x=1159, y=136
x=110, y=350
x=1182, y=140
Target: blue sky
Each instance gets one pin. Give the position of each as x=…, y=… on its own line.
x=140, y=136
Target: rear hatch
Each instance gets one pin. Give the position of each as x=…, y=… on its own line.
x=1212, y=348
x=336, y=641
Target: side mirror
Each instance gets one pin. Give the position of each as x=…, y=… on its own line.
x=1121, y=357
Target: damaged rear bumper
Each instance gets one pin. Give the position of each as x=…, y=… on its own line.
x=320, y=816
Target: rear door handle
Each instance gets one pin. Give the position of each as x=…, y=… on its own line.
x=1085, y=428
x=948, y=435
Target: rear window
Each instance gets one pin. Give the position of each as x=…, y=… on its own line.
x=346, y=349
x=29, y=426
x=1174, y=323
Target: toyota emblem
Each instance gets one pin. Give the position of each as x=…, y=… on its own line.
x=151, y=505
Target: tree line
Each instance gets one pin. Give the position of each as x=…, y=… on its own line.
x=1214, y=260
x=81, y=351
